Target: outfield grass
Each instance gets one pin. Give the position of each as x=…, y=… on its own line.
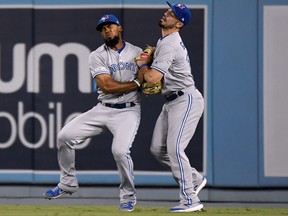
x=21, y=210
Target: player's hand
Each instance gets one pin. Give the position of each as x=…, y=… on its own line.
x=146, y=56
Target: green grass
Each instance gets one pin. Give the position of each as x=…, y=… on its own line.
x=24, y=210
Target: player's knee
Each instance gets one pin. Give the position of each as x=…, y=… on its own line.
x=63, y=139
x=172, y=152
x=119, y=154
x=62, y=136
x=156, y=152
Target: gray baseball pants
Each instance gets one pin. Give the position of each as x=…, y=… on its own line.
x=173, y=131
x=122, y=123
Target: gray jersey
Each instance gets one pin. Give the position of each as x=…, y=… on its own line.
x=120, y=65
x=171, y=58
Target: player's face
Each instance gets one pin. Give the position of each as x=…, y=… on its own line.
x=169, y=20
x=110, y=31
x=111, y=34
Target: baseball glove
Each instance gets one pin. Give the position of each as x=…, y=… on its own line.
x=150, y=89
x=146, y=56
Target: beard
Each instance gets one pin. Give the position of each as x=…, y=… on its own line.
x=112, y=42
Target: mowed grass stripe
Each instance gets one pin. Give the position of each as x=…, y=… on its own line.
x=38, y=210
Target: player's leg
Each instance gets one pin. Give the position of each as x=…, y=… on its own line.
x=159, y=149
x=184, y=114
x=124, y=125
x=85, y=125
x=199, y=181
x=158, y=146
x=197, y=108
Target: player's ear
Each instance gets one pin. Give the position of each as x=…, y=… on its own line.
x=120, y=28
x=179, y=25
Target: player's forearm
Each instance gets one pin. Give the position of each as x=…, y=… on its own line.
x=141, y=72
x=145, y=74
x=115, y=87
x=152, y=76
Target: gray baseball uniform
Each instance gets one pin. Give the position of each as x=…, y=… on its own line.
x=122, y=122
x=180, y=114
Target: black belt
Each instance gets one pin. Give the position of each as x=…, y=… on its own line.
x=119, y=106
x=172, y=96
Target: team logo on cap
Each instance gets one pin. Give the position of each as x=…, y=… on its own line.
x=104, y=18
x=180, y=6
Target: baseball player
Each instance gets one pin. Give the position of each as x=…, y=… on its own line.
x=182, y=110
x=113, y=67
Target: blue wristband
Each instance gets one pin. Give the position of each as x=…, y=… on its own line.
x=143, y=65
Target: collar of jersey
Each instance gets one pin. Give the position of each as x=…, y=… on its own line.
x=163, y=37
x=167, y=35
x=123, y=46
x=118, y=51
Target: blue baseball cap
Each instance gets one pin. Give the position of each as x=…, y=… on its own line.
x=108, y=18
x=181, y=12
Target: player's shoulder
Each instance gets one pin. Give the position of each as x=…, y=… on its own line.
x=170, y=41
x=172, y=38
x=98, y=51
x=133, y=47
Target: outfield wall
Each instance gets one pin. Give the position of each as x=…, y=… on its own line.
x=237, y=51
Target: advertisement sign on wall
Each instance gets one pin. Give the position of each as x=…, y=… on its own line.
x=45, y=82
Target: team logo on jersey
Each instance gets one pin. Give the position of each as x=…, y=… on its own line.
x=130, y=66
